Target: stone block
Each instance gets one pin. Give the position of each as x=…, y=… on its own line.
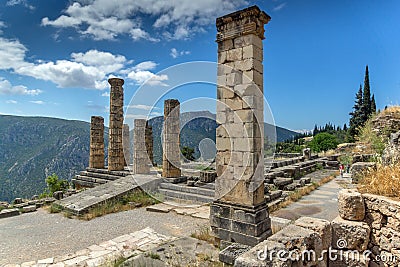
x=207, y=176
x=234, y=54
x=252, y=51
x=232, y=252
x=320, y=226
x=248, y=40
x=350, y=235
x=233, y=79
x=351, y=205
x=348, y=259
x=29, y=208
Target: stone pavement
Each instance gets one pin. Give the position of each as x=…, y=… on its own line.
x=81, y=202
x=107, y=252
x=195, y=211
x=320, y=203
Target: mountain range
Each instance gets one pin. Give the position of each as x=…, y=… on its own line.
x=32, y=148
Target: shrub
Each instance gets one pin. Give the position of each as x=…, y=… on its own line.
x=54, y=184
x=323, y=142
x=367, y=135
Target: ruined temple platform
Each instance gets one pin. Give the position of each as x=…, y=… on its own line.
x=92, y=177
x=80, y=203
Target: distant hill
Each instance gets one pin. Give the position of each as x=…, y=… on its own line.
x=32, y=148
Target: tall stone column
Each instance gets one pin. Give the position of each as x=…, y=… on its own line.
x=239, y=213
x=126, y=144
x=140, y=157
x=171, y=150
x=96, y=157
x=115, y=148
x=149, y=142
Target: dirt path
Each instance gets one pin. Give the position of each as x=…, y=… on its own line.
x=40, y=235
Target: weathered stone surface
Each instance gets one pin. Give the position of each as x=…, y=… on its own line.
x=350, y=235
x=391, y=154
x=351, y=205
x=149, y=142
x=116, y=159
x=8, y=213
x=126, y=144
x=357, y=169
x=232, y=252
x=96, y=156
x=320, y=226
x=141, y=160
x=171, y=129
x=207, y=176
x=263, y=254
x=17, y=200
x=58, y=195
x=29, y=208
x=348, y=259
x=383, y=205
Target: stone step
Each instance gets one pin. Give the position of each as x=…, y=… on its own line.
x=188, y=189
x=185, y=196
x=103, y=176
x=106, y=171
x=79, y=179
x=281, y=181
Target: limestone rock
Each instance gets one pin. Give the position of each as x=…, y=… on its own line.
x=350, y=234
x=351, y=205
x=391, y=154
x=322, y=227
x=358, y=168
x=348, y=259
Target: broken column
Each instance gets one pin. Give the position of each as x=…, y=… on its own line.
x=126, y=144
x=96, y=157
x=116, y=159
x=171, y=129
x=239, y=213
x=149, y=142
x=141, y=162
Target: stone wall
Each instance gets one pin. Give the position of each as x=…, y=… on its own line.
x=366, y=233
x=96, y=157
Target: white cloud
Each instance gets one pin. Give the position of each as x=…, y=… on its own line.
x=106, y=20
x=106, y=61
x=11, y=101
x=175, y=53
x=38, y=102
x=156, y=114
x=6, y=88
x=145, y=65
x=12, y=54
x=141, y=77
x=279, y=7
x=143, y=107
x=23, y=3
x=105, y=94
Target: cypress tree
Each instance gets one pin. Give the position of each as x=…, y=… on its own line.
x=356, y=119
x=366, y=102
x=373, y=105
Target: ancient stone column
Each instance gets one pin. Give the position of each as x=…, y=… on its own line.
x=126, y=143
x=141, y=162
x=171, y=150
x=116, y=159
x=149, y=142
x=239, y=212
x=96, y=157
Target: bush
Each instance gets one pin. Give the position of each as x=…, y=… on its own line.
x=323, y=142
x=367, y=135
x=54, y=184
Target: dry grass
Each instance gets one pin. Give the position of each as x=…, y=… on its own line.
x=384, y=181
x=298, y=193
x=204, y=233
x=391, y=110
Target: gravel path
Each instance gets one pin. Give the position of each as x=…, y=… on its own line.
x=38, y=235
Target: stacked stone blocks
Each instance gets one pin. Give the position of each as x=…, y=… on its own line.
x=116, y=159
x=126, y=143
x=141, y=162
x=170, y=141
x=96, y=156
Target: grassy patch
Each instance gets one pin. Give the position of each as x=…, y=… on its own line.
x=126, y=202
x=298, y=193
x=153, y=255
x=204, y=233
x=384, y=181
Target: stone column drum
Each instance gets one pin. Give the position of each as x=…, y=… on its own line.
x=149, y=142
x=116, y=159
x=239, y=212
x=171, y=150
x=141, y=162
x=96, y=157
x=126, y=144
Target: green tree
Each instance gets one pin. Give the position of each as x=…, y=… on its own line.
x=323, y=142
x=188, y=152
x=54, y=184
x=373, y=105
x=356, y=118
x=366, y=103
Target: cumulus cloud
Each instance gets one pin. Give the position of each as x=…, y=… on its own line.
x=23, y=3
x=175, y=53
x=106, y=20
x=6, y=88
x=11, y=101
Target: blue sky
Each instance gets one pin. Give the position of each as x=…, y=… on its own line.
x=56, y=56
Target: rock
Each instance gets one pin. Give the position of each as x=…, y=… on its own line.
x=9, y=213
x=3, y=204
x=208, y=176
x=232, y=252
x=259, y=255
x=35, y=197
x=58, y=195
x=351, y=205
x=348, y=258
x=17, y=201
x=29, y=208
x=391, y=154
x=358, y=168
x=307, y=180
x=320, y=226
x=290, y=187
x=350, y=235
x=281, y=182
x=190, y=183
